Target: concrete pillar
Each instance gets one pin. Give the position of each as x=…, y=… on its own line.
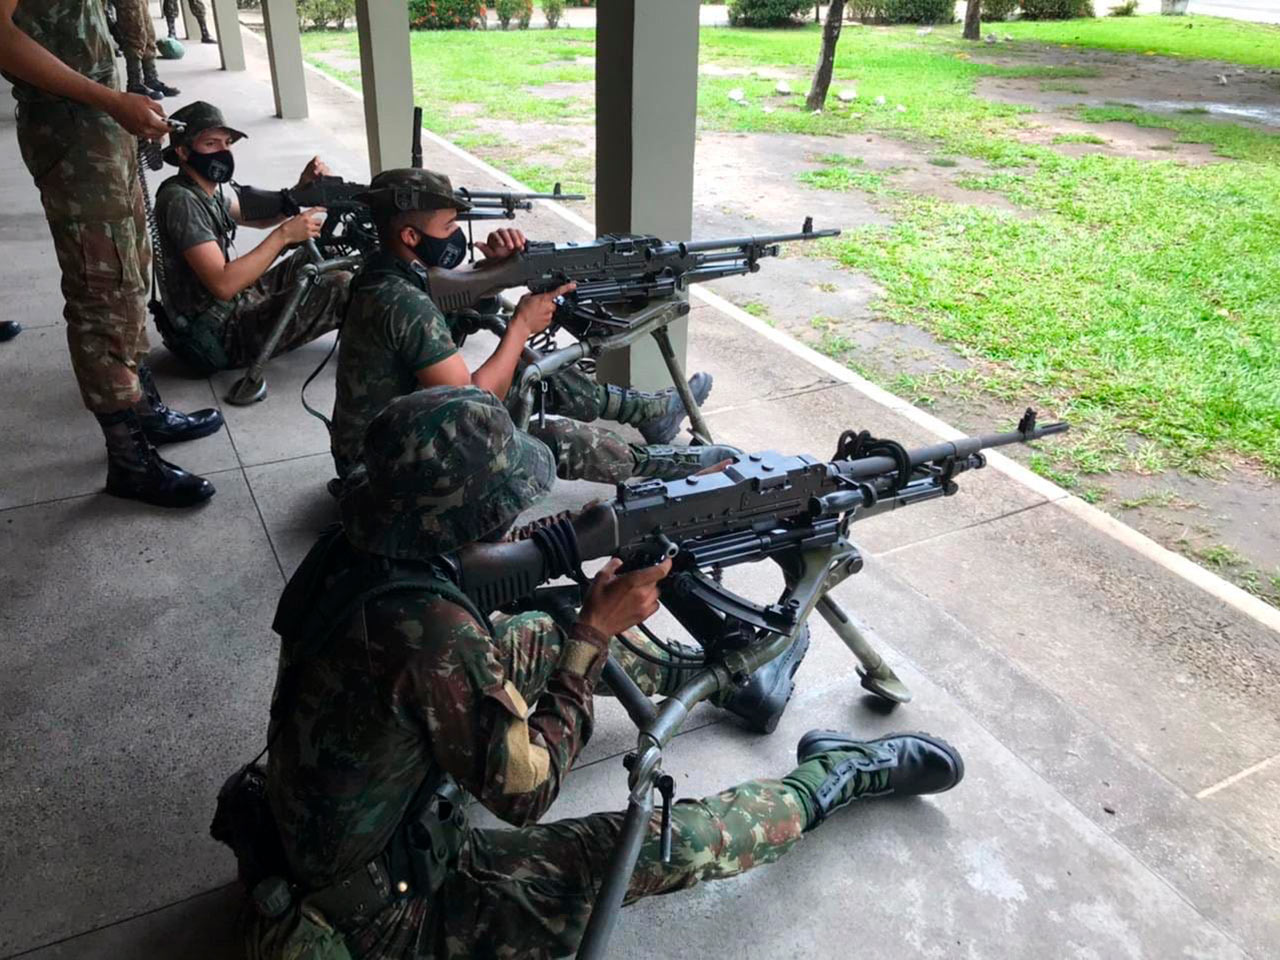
x=284, y=50
x=227, y=25
x=386, y=79
x=189, y=22
x=646, y=103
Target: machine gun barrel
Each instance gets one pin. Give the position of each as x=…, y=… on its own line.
x=702, y=246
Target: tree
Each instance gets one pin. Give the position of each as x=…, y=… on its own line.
x=973, y=20
x=827, y=58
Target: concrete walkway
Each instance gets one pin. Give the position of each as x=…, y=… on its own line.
x=1119, y=723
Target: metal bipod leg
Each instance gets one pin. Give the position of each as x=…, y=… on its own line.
x=877, y=676
x=697, y=424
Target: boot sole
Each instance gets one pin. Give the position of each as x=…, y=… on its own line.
x=671, y=432
x=770, y=723
x=194, y=501
x=805, y=752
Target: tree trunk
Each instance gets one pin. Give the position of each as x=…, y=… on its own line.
x=817, y=13
x=827, y=58
x=973, y=20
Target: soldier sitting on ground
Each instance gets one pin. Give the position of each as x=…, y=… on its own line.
x=395, y=691
x=220, y=308
x=395, y=340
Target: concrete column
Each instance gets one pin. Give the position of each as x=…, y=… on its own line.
x=227, y=25
x=189, y=22
x=386, y=79
x=646, y=103
x=284, y=50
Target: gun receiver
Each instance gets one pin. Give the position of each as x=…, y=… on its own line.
x=616, y=269
x=765, y=505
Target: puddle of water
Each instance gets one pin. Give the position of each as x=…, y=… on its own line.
x=1267, y=115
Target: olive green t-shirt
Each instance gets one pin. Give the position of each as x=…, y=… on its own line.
x=187, y=217
x=392, y=330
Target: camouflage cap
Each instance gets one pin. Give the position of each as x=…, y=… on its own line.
x=409, y=188
x=197, y=118
x=443, y=467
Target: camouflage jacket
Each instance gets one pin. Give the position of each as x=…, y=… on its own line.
x=74, y=31
x=412, y=680
x=392, y=330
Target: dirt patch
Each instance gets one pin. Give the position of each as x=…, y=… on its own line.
x=767, y=73
x=562, y=91
x=1120, y=140
x=1158, y=84
x=465, y=109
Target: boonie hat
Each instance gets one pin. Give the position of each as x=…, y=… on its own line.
x=409, y=188
x=197, y=117
x=443, y=467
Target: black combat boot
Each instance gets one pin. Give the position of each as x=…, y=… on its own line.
x=656, y=415
x=163, y=425
x=835, y=769
x=205, y=36
x=9, y=329
x=675, y=462
x=151, y=80
x=761, y=701
x=173, y=27
x=133, y=80
x=135, y=471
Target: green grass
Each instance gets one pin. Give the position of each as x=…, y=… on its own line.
x=1198, y=38
x=1079, y=138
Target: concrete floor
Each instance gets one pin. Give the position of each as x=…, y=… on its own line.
x=1105, y=708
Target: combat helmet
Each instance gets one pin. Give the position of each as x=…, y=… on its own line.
x=443, y=467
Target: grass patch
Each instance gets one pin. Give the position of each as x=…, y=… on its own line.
x=1226, y=138
x=756, y=309
x=1079, y=138
x=843, y=173
x=1061, y=86
x=1208, y=38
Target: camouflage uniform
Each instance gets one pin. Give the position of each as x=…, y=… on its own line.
x=86, y=168
x=134, y=29
x=412, y=679
x=212, y=334
x=394, y=329
x=171, y=9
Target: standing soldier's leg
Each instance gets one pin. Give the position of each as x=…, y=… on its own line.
x=150, y=78
x=132, y=20
x=85, y=167
x=202, y=18
x=529, y=892
x=586, y=452
x=170, y=10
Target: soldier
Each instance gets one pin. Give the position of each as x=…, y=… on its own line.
x=76, y=132
x=396, y=340
x=170, y=8
x=394, y=691
x=136, y=35
x=220, y=309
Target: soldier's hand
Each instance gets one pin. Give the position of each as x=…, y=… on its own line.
x=313, y=171
x=140, y=115
x=305, y=226
x=619, y=602
x=501, y=244
x=535, y=310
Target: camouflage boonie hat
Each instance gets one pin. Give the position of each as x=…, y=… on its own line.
x=198, y=117
x=412, y=189
x=443, y=467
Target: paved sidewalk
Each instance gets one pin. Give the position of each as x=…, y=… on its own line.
x=1119, y=724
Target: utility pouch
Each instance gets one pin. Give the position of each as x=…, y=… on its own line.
x=243, y=821
x=198, y=341
x=425, y=847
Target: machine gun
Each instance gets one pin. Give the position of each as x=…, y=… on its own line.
x=794, y=510
x=616, y=270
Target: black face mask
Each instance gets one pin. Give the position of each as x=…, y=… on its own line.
x=446, y=253
x=216, y=167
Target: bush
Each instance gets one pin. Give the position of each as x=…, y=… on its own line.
x=320, y=14
x=446, y=14
x=508, y=10
x=551, y=9
x=1127, y=9
x=766, y=13
x=1056, y=9
x=998, y=9
x=903, y=11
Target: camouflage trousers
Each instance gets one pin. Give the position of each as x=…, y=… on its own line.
x=86, y=168
x=227, y=339
x=528, y=892
x=134, y=31
x=583, y=451
x=171, y=10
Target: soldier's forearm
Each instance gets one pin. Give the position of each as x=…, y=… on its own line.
x=496, y=373
x=23, y=57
